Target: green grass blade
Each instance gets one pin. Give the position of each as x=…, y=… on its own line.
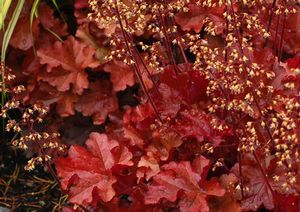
x=54, y=34
x=10, y=28
x=58, y=9
x=55, y=4
x=5, y=4
x=34, y=12
x=6, y=38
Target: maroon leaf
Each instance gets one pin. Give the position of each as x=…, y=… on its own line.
x=97, y=102
x=175, y=90
x=181, y=176
x=120, y=75
x=258, y=191
x=195, y=18
x=66, y=63
x=196, y=123
x=24, y=38
x=49, y=22
x=86, y=172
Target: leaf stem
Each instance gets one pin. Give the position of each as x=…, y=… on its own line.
x=265, y=176
x=270, y=18
x=168, y=45
x=275, y=45
x=281, y=39
x=52, y=172
x=241, y=174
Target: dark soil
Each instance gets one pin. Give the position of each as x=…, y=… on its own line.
x=21, y=190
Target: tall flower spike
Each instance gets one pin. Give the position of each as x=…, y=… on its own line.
x=239, y=86
x=24, y=128
x=119, y=13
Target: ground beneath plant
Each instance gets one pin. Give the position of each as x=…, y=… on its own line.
x=21, y=190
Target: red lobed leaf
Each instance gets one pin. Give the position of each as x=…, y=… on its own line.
x=291, y=34
x=121, y=75
x=83, y=165
x=98, y=101
x=293, y=63
x=24, y=38
x=147, y=167
x=51, y=23
x=66, y=63
x=258, y=192
x=182, y=176
x=175, y=90
x=88, y=171
x=133, y=136
x=81, y=11
x=195, y=18
x=66, y=104
x=196, y=123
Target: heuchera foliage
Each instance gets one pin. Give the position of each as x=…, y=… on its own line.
x=194, y=105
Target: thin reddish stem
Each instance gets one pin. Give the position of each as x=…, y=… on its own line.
x=265, y=176
x=180, y=44
x=168, y=45
x=52, y=172
x=271, y=16
x=141, y=59
x=239, y=36
x=135, y=67
x=261, y=114
x=275, y=46
x=226, y=33
x=270, y=20
x=241, y=174
x=281, y=39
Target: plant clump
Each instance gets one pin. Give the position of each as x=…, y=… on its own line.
x=189, y=105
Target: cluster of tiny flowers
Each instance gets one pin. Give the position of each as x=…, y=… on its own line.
x=241, y=87
x=238, y=84
x=23, y=126
x=130, y=19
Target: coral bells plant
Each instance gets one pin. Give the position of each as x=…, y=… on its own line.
x=24, y=127
x=191, y=105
